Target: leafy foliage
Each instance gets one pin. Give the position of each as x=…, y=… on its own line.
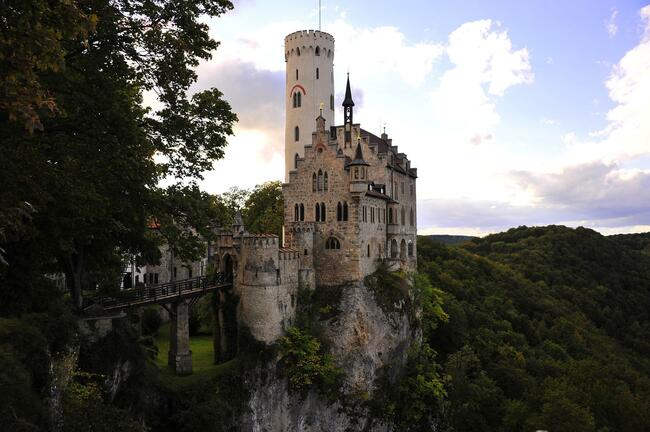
x=307, y=365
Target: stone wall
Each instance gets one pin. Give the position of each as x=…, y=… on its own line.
x=267, y=286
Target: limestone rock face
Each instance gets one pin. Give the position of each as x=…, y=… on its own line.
x=363, y=339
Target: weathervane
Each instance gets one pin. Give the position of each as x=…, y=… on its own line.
x=321, y=108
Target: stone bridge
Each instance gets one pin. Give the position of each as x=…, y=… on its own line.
x=177, y=294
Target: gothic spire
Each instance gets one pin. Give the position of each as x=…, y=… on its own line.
x=348, y=102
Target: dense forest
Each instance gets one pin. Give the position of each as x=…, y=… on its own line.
x=548, y=329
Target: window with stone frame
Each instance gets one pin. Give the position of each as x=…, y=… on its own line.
x=403, y=214
x=332, y=243
x=314, y=182
x=412, y=217
x=296, y=134
x=323, y=212
x=320, y=180
x=410, y=248
x=302, y=212
x=296, y=212
x=325, y=182
x=345, y=210
x=339, y=211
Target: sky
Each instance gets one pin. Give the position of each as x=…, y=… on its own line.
x=514, y=112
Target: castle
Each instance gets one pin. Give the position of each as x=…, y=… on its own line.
x=349, y=203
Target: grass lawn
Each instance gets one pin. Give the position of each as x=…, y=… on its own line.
x=202, y=361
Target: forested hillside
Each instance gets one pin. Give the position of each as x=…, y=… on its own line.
x=548, y=329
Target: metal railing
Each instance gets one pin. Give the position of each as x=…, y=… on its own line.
x=166, y=292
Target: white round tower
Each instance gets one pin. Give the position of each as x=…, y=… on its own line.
x=309, y=55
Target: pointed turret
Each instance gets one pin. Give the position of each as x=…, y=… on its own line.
x=348, y=103
x=358, y=157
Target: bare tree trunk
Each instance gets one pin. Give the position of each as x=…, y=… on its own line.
x=73, y=279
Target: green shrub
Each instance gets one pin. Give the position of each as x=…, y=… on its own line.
x=151, y=321
x=306, y=365
x=390, y=289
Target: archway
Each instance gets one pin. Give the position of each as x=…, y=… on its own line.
x=225, y=316
x=402, y=250
x=393, y=248
x=228, y=267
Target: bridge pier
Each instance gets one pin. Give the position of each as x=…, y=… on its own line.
x=180, y=356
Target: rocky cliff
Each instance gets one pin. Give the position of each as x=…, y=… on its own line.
x=368, y=336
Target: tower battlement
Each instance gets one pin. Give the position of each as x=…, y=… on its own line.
x=261, y=241
x=304, y=34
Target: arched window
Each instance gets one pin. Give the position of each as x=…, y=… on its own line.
x=390, y=215
x=339, y=212
x=368, y=247
x=320, y=180
x=299, y=99
x=345, y=211
x=317, y=212
x=314, y=182
x=296, y=212
x=325, y=185
x=295, y=160
x=302, y=212
x=295, y=99
x=393, y=248
x=296, y=134
x=402, y=249
x=317, y=74
x=332, y=243
x=411, y=217
x=298, y=51
x=322, y=212
x=403, y=216
x=410, y=247
x=317, y=51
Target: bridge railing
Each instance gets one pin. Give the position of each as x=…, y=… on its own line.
x=169, y=290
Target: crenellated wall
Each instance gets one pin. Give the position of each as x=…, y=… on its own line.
x=267, y=286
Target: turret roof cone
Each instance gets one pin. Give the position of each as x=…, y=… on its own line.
x=348, y=95
x=358, y=157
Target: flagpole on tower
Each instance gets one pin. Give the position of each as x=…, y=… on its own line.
x=319, y=9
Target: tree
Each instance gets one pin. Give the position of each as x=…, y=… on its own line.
x=264, y=209
x=90, y=174
x=33, y=35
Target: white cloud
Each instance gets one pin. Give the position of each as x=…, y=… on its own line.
x=367, y=50
x=627, y=134
x=610, y=24
x=484, y=67
x=548, y=121
x=569, y=138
